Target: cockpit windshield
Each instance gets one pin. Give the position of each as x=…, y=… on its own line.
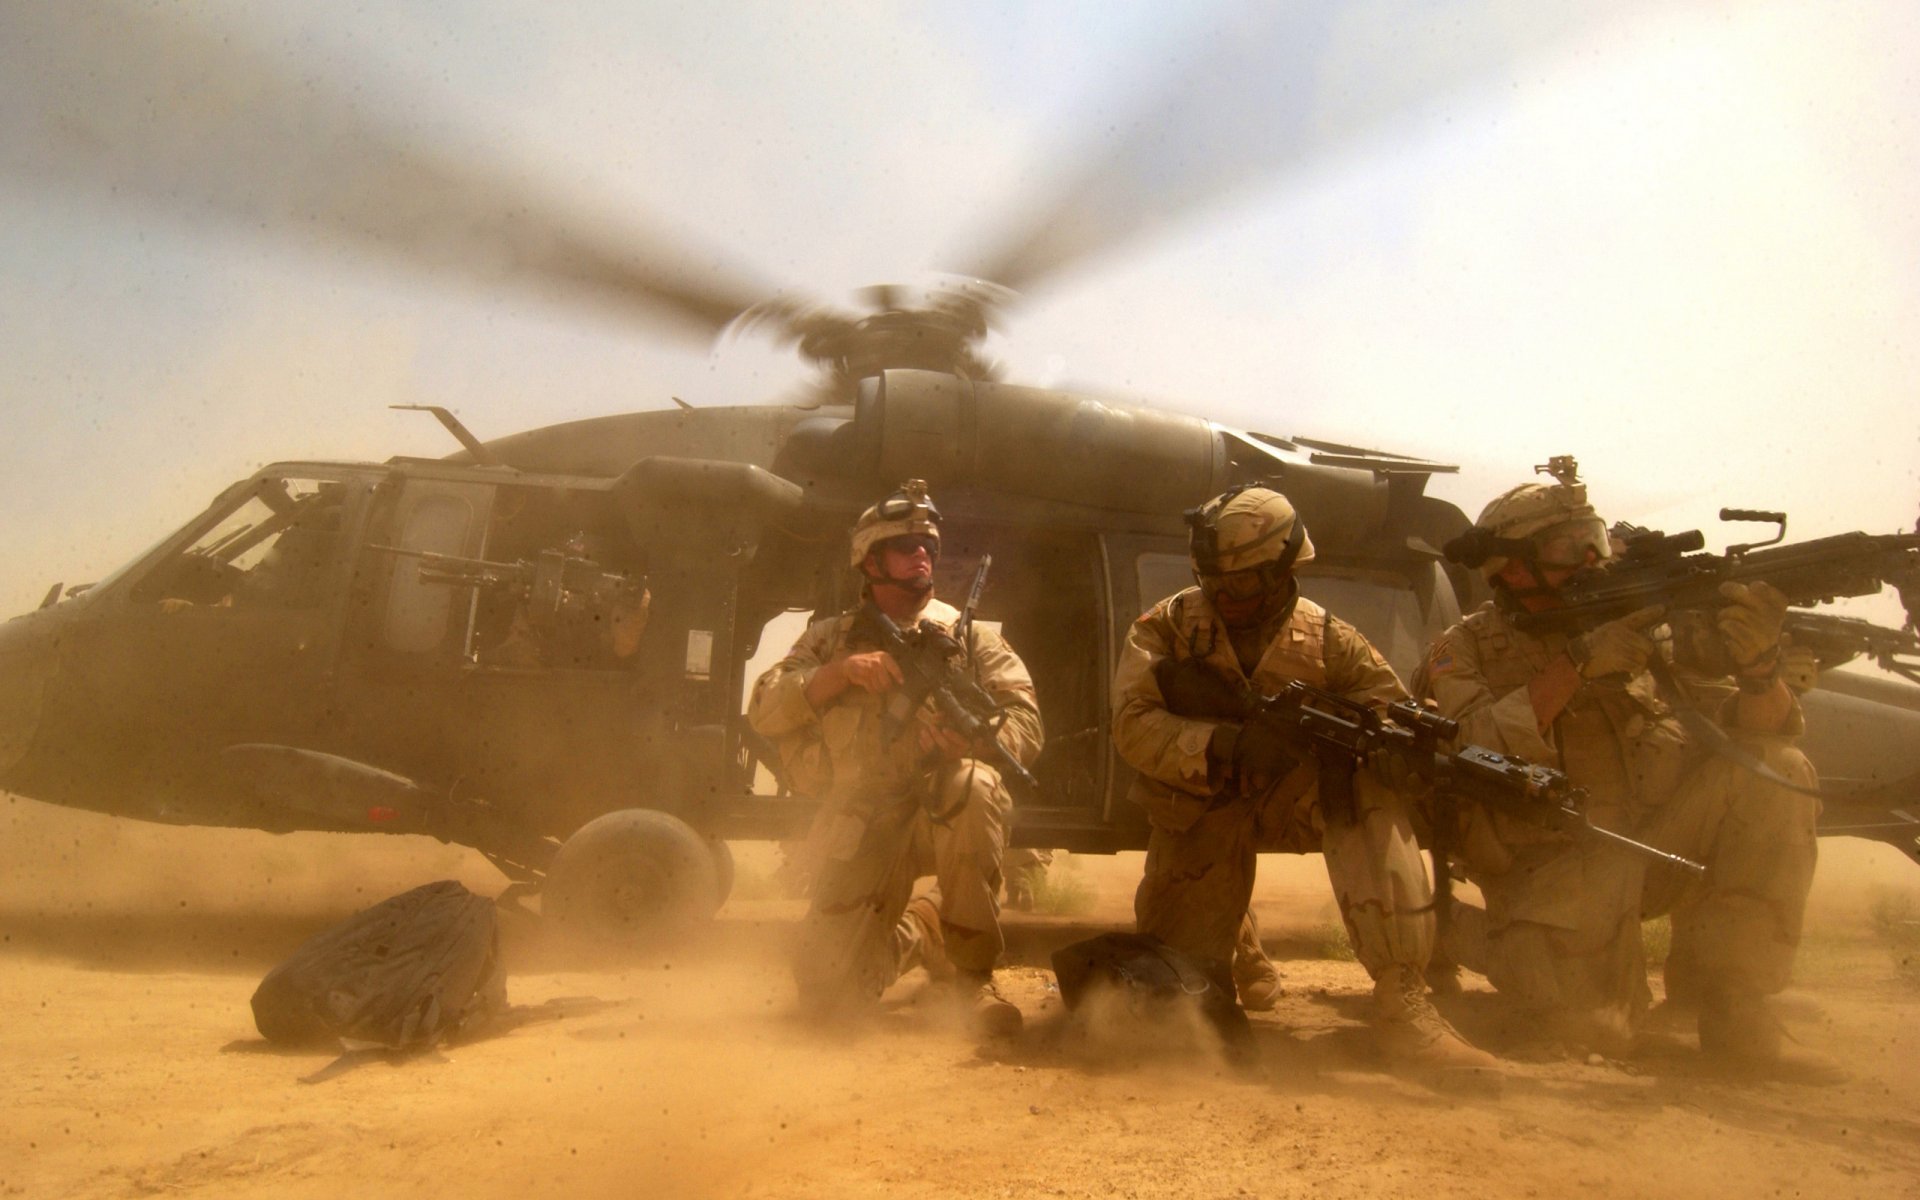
x=270, y=545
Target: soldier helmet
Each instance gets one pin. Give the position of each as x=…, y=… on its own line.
x=1551, y=524
x=907, y=511
x=1246, y=528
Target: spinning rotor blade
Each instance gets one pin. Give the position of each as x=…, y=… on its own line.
x=1267, y=87
x=143, y=106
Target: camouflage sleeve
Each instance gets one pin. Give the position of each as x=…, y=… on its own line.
x=1722, y=698
x=778, y=707
x=1007, y=680
x=1356, y=671
x=1452, y=678
x=1153, y=741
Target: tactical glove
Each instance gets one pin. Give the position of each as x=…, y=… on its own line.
x=1393, y=769
x=1258, y=754
x=1619, y=647
x=1750, y=625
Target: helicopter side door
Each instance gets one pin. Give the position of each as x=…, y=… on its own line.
x=229, y=636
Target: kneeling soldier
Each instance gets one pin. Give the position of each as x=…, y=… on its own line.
x=1218, y=792
x=902, y=794
x=1561, y=930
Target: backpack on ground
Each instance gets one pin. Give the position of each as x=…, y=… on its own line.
x=1152, y=978
x=411, y=972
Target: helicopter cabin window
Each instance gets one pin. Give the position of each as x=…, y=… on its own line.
x=560, y=585
x=277, y=547
x=1383, y=607
x=418, y=607
x=1042, y=589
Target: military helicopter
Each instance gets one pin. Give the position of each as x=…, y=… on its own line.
x=321, y=647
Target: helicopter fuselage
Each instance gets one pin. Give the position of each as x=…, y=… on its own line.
x=288, y=660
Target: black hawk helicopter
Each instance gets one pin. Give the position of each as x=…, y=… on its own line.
x=430, y=645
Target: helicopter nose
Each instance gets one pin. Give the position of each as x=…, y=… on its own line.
x=26, y=665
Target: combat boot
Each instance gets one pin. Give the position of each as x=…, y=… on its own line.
x=990, y=1013
x=1739, y=1033
x=1255, y=979
x=1411, y=1032
x=1258, y=985
x=919, y=941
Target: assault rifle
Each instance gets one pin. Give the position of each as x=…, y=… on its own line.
x=554, y=586
x=1672, y=571
x=1343, y=735
x=934, y=665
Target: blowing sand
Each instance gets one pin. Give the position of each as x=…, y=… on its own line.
x=128, y=952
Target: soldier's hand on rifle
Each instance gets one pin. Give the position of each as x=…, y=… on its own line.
x=1259, y=756
x=1750, y=624
x=937, y=739
x=1620, y=647
x=1393, y=769
x=875, y=671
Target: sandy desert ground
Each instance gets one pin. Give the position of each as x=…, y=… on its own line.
x=128, y=953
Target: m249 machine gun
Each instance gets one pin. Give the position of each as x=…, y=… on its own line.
x=554, y=587
x=1673, y=571
x=934, y=665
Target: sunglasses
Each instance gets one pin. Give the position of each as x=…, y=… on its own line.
x=907, y=543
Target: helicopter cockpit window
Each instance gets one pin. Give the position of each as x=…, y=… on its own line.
x=275, y=549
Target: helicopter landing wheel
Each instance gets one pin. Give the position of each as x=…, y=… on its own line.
x=631, y=878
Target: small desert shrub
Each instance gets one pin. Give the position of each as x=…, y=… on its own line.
x=1895, y=915
x=1656, y=936
x=1330, y=938
x=1061, y=890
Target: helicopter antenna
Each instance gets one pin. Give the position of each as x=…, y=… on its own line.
x=460, y=432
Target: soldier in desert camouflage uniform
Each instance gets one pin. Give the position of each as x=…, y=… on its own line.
x=1561, y=931
x=1218, y=793
x=897, y=807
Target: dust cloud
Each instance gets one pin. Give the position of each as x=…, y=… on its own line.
x=128, y=952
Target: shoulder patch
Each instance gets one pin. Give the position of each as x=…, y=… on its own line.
x=1440, y=657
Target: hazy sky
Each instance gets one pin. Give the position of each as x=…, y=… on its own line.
x=1683, y=243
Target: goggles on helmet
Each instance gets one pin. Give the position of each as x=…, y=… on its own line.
x=903, y=505
x=1568, y=544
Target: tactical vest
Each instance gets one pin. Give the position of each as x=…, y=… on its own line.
x=1621, y=742
x=1296, y=651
